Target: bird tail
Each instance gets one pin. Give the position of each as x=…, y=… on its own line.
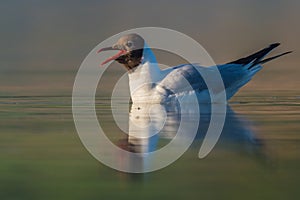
x=257, y=58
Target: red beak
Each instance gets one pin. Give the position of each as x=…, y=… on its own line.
x=120, y=53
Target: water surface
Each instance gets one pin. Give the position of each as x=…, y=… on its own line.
x=257, y=156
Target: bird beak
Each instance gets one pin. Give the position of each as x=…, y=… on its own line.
x=120, y=53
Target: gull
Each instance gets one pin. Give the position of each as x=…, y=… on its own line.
x=150, y=84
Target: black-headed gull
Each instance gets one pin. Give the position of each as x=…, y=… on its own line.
x=149, y=84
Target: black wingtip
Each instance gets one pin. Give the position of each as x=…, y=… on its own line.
x=256, y=57
x=274, y=57
x=274, y=45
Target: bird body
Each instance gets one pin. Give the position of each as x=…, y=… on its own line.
x=149, y=84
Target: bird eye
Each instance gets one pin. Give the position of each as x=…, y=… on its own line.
x=129, y=44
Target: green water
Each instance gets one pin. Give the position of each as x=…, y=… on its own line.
x=42, y=157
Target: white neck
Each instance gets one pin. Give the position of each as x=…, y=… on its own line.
x=142, y=78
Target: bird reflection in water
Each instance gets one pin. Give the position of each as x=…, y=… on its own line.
x=151, y=127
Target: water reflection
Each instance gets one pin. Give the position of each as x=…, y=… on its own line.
x=151, y=127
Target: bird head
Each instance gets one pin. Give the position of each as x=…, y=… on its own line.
x=130, y=51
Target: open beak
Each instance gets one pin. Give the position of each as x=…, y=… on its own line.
x=120, y=53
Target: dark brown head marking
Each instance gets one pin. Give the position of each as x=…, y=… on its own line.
x=131, y=51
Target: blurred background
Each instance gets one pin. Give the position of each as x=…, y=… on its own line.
x=44, y=42
x=42, y=46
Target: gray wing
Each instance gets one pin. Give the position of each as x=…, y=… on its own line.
x=234, y=74
x=183, y=78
